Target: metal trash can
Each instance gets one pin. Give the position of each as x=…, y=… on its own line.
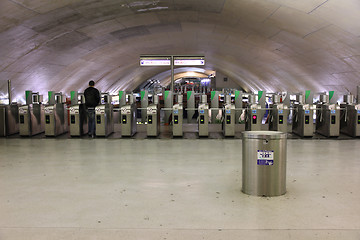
x=264, y=163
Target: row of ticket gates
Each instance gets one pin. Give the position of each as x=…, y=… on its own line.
x=34, y=118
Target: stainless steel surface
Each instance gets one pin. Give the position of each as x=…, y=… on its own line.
x=349, y=99
x=9, y=119
x=128, y=120
x=264, y=163
x=300, y=98
x=303, y=120
x=3, y=113
x=168, y=103
x=180, y=98
x=324, y=98
x=253, y=118
x=227, y=99
x=252, y=98
x=78, y=120
x=104, y=120
x=278, y=118
x=153, y=120
x=31, y=119
x=229, y=120
x=238, y=105
x=276, y=98
x=350, y=119
x=328, y=120
x=177, y=120
x=9, y=91
x=56, y=119
x=203, y=119
x=190, y=104
x=204, y=98
x=214, y=105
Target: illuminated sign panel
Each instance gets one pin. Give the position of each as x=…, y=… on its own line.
x=189, y=62
x=155, y=62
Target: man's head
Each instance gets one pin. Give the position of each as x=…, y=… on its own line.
x=91, y=83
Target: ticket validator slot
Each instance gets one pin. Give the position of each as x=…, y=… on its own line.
x=177, y=111
x=203, y=120
x=229, y=117
x=31, y=115
x=78, y=115
x=56, y=115
x=104, y=116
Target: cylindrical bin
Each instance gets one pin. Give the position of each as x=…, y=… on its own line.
x=264, y=163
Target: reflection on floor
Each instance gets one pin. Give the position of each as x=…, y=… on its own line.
x=172, y=189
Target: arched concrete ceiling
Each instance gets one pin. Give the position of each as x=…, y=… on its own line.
x=272, y=45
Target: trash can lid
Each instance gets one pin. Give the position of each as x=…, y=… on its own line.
x=264, y=134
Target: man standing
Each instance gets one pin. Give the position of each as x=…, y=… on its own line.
x=92, y=99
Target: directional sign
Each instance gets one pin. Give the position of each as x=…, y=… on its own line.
x=189, y=62
x=155, y=62
x=179, y=60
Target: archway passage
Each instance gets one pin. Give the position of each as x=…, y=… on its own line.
x=273, y=45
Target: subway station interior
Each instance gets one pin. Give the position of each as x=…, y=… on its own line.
x=218, y=119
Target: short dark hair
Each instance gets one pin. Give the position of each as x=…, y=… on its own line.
x=91, y=83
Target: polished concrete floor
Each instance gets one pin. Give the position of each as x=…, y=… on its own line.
x=172, y=189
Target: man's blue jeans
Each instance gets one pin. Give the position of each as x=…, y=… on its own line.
x=91, y=122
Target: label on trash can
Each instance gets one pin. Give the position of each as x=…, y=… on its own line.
x=265, y=157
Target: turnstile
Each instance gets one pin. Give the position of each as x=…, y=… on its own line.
x=128, y=120
x=31, y=119
x=303, y=120
x=278, y=119
x=328, y=119
x=78, y=120
x=177, y=121
x=203, y=119
x=56, y=119
x=104, y=120
x=9, y=119
x=229, y=118
x=350, y=119
x=153, y=120
x=253, y=118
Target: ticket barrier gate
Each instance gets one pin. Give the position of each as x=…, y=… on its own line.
x=31, y=119
x=203, y=120
x=328, y=119
x=56, y=119
x=350, y=119
x=177, y=120
x=229, y=120
x=128, y=120
x=9, y=119
x=31, y=115
x=303, y=120
x=253, y=118
x=78, y=120
x=104, y=120
x=279, y=118
x=153, y=120
x=104, y=123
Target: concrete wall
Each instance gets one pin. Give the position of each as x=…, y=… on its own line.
x=220, y=83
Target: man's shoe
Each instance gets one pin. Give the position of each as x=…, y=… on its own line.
x=93, y=136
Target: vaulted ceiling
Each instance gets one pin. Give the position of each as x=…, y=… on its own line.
x=272, y=45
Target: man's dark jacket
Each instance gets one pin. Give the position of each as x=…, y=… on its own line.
x=92, y=97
